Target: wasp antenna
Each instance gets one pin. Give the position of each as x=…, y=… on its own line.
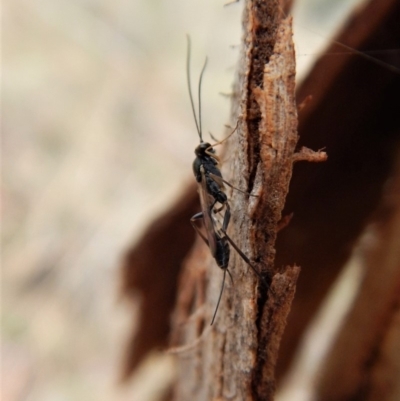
x=190, y=86
x=219, y=298
x=200, y=79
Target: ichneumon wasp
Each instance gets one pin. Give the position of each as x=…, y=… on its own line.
x=212, y=193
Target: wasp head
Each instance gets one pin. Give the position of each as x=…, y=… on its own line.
x=202, y=148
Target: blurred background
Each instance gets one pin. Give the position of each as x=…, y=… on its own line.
x=98, y=138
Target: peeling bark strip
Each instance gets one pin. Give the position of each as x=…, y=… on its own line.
x=273, y=322
x=277, y=133
x=236, y=358
x=260, y=22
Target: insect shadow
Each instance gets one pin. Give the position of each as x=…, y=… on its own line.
x=213, y=198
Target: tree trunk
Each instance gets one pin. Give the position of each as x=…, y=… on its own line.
x=236, y=357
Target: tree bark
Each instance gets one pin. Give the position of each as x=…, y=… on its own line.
x=353, y=114
x=235, y=359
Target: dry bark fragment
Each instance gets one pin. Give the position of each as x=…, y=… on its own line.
x=236, y=358
x=311, y=222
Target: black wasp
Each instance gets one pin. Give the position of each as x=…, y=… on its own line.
x=213, y=198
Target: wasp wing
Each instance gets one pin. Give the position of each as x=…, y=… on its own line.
x=206, y=201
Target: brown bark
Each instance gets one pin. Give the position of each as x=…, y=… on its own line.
x=354, y=115
x=236, y=358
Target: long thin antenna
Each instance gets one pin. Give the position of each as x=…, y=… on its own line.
x=220, y=296
x=200, y=79
x=190, y=87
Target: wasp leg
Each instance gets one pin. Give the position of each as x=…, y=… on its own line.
x=220, y=179
x=227, y=218
x=217, y=210
x=224, y=227
x=222, y=141
x=231, y=2
x=219, y=298
x=199, y=216
x=213, y=137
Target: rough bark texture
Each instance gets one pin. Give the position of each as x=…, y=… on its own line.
x=354, y=115
x=236, y=358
